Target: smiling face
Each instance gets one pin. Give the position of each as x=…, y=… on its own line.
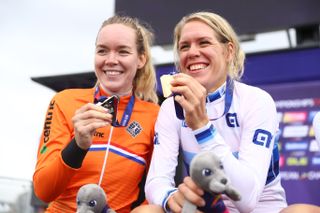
x=117, y=59
x=202, y=56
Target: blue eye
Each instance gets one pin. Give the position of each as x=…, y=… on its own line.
x=92, y=203
x=206, y=172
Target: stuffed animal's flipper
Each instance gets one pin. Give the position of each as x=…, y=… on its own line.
x=189, y=207
x=107, y=209
x=232, y=193
x=111, y=211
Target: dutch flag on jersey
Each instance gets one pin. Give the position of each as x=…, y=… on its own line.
x=102, y=146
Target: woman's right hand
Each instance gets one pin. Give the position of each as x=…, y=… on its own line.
x=192, y=98
x=187, y=190
x=86, y=120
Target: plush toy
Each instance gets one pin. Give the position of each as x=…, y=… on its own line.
x=206, y=170
x=92, y=199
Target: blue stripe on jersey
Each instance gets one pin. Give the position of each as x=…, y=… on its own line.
x=188, y=156
x=274, y=164
x=134, y=158
x=236, y=154
x=165, y=200
x=217, y=94
x=206, y=135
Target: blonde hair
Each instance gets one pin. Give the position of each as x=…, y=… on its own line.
x=144, y=83
x=224, y=33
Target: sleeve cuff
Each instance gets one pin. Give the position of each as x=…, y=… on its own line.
x=73, y=155
x=165, y=201
x=204, y=134
x=209, y=139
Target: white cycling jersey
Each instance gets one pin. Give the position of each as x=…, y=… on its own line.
x=243, y=137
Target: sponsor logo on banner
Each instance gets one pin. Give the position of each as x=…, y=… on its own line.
x=310, y=175
x=290, y=175
x=295, y=103
x=315, y=161
x=298, y=131
x=297, y=153
x=295, y=117
x=297, y=161
x=298, y=103
x=300, y=155
x=296, y=146
x=296, y=175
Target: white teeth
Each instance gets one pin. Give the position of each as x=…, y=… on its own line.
x=197, y=66
x=112, y=72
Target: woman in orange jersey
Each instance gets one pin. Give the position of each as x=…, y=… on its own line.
x=83, y=143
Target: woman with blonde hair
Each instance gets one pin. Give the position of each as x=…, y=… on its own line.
x=235, y=121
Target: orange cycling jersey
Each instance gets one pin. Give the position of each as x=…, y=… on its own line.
x=62, y=167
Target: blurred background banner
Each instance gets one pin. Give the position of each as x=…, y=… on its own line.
x=297, y=104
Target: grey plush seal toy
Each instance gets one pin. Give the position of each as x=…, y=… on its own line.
x=206, y=170
x=91, y=198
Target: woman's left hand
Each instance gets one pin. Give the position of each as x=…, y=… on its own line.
x=187, y=190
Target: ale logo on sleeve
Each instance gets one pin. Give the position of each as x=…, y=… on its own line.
x=262, y=137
